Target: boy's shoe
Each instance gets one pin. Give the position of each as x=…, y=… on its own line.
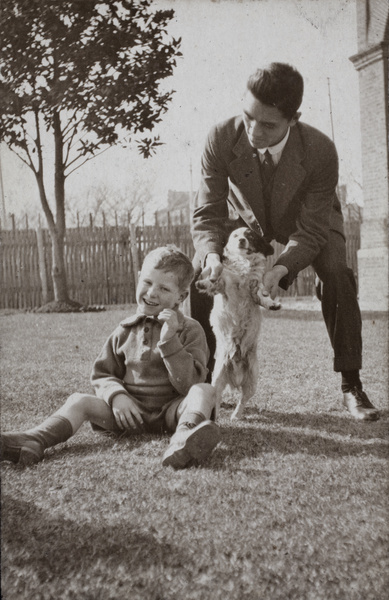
x=359, y=405
x=191, y=445
x=20, y=449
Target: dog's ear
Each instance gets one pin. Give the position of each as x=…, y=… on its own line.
x=262, y=246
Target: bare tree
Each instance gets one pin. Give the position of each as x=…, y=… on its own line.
x=122, y=205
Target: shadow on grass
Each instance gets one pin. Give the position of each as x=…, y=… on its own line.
x=100, y=443
x=56, y=548
x=242, y=441
x=341, y=424
x=287, y=433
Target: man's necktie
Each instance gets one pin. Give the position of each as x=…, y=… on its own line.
x=267, y=169
x=267, y=173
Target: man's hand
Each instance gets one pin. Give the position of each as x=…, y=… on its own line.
x=170, y=323
x=212, y=268
x=271, y=280
x=126, y=413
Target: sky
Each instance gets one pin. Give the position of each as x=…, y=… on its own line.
x=223, y=42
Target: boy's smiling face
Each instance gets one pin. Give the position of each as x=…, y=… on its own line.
x=157, y=290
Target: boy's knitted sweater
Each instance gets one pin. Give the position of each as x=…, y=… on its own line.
x=134, y=361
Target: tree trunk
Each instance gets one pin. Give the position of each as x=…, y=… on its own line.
x=58, y=232
x=58, y=271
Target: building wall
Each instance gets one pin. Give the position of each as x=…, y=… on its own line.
x=375, y=154
x=371, y=63
x=372, y=22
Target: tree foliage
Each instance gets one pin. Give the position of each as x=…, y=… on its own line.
x=96, y=63
x=89, y=73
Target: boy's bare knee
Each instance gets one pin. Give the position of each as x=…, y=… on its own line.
x=205, y=388
x=201, y=397
x=77, y=399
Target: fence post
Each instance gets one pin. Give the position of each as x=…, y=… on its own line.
x=106, y=261
x=42, y=264
x=134, y=253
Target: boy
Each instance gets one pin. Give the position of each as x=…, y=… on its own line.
x=148, y=377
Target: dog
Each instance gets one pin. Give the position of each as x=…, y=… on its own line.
x=236, y=314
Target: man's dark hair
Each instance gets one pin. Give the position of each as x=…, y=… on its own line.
x=278, y=85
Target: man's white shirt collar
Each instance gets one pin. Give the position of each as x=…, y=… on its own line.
x=276, y=150
x=278, y=147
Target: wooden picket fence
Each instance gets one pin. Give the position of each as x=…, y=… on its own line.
x=103, y=262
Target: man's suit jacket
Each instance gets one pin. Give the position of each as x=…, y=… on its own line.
x=304, y=204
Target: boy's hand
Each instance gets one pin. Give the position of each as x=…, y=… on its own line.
x=126, y=413
x=170, y=323
x=271, y=280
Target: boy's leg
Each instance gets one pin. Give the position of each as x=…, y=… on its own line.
x=28, y=446
x=196, y=435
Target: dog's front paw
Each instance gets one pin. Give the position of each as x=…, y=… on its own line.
x=275, y=306
x=266, y=301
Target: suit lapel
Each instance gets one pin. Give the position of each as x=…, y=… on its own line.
x=246, y=184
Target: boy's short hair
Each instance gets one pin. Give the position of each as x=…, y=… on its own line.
x=279, y=85
x=170, y=258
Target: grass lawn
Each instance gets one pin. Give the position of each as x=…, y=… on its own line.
x=291, y=505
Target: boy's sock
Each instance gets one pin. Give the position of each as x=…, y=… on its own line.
x=350, y=380
x=190, y=419
x=28, y=446
x=54, y=430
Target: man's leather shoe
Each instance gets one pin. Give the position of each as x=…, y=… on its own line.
x=359, y=405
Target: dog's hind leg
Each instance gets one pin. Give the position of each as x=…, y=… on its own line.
x=248, y=386
x=238, y=412
x=219, y=383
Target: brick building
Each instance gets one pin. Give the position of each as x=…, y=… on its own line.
x=371, y=63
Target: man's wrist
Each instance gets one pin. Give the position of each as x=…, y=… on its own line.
x=281, y=270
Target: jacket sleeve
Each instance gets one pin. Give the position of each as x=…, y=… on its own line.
x=313, y=222
x=108, y=370
x=185, y=356
x=211, y=212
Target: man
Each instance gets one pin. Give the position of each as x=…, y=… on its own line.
x=279, y=177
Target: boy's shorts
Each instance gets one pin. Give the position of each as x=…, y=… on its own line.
x=163, y=420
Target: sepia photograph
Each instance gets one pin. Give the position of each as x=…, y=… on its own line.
x=194, y=299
